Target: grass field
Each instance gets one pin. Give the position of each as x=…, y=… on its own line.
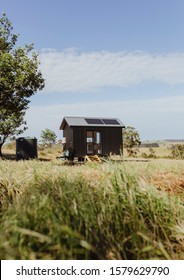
x=124, y=210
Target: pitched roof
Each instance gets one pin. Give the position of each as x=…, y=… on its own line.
x=91, y=122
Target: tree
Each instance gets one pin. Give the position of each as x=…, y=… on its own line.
x=20, y=78
x=131, y=140
x=48, y=137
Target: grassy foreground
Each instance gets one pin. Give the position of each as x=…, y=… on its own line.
x=124, y=210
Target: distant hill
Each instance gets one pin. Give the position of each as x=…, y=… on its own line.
x=163, y=141
x=174, y=140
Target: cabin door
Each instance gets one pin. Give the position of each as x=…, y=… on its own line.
x=93, y=142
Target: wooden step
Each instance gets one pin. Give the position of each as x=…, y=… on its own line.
x=92, y=158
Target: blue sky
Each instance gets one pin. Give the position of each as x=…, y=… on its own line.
x=110, y=58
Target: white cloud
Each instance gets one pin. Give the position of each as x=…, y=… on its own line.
x=154, y=118
x=71, y=70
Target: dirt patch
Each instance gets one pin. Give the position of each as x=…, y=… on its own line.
x=169, y=182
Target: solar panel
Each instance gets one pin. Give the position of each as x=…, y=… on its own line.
x=94, y=121
x=111, y=121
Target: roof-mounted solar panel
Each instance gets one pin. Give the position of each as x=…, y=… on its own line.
x=110, y=121
x=94, y=121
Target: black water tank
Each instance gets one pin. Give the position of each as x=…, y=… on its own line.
x=26, y=148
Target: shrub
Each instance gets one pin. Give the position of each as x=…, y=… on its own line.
x=177, y=151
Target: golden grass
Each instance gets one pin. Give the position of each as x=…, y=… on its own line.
x=115, y=210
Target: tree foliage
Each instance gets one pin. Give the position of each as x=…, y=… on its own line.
x=131, y=140
x=48, y=137
x=20, y=78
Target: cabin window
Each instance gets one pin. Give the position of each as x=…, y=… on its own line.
x=89, y=136
x=93, y=141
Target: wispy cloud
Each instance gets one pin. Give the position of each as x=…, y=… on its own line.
x=71, y=70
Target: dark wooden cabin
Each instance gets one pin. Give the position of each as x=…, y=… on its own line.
x=92, y=136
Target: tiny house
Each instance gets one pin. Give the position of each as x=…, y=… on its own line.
x=92, y=136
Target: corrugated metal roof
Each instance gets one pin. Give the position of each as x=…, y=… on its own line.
x=88, y=121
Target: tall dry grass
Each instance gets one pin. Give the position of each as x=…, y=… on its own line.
x=93, y=211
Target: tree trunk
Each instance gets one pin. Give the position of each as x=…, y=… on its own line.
x=1, y=155
x=2, y=140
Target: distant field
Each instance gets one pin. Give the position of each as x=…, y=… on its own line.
x=125, y=210
x=161, y=151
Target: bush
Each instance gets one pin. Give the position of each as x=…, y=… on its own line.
x=150, y=155
x=177, y=151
